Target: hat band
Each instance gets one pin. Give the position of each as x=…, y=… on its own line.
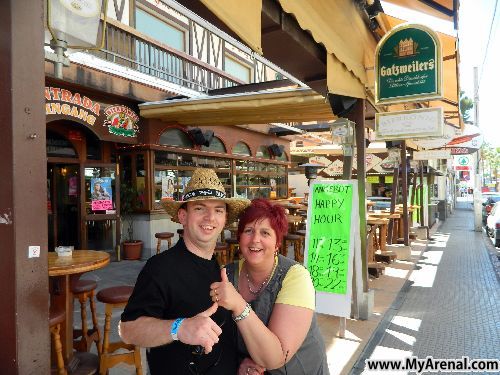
x=205, y=193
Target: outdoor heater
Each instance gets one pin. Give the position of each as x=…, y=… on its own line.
x=311, y=171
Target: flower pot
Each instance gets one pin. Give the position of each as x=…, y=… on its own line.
x=132, y=250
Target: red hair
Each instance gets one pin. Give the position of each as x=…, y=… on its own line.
x=261, y=209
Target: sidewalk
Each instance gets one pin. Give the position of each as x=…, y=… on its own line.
x=445, y=302
x=450, y=306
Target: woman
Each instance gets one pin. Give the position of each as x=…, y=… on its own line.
x=272, y=299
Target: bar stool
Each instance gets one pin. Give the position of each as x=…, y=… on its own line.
x=221, y=253
x=116, y=297
x=163, y=236
x=296, y=241
x=56, y=318
x=85, y=290
x=234, y=248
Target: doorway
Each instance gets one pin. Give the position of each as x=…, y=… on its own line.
x=63, y=205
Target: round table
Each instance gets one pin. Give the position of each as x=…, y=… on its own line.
x=64, y=272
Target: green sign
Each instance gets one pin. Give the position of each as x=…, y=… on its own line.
x=408, y=65
x=330, y=236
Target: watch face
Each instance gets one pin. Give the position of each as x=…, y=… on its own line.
x=83, y=8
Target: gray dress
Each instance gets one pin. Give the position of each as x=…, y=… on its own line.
x=310, y=359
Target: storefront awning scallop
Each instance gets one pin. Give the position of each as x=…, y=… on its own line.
x=285, y=105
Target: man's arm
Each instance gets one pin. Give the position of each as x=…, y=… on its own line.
x=151, y=332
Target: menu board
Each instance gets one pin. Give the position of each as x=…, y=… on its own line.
x=332, y=237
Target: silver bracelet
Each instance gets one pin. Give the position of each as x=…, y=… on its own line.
x=244, y=313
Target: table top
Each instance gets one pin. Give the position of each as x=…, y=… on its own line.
x=385, y=215
x=80, y=261
x=377, y=221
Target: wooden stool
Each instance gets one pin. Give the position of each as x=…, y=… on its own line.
x=375, y=269
x=221, y=253
x=84, y=290
x=116, y=297
x=234, y=247
x=56, y=318
x=163, y=236
x=296, y=241
x=385, y=256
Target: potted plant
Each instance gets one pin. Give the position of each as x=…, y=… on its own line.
x=132, y=248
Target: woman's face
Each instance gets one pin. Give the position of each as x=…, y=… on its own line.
x=258, y=242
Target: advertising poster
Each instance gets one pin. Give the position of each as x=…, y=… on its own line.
x=332, y=243
x=167, y=187
x=101, y=194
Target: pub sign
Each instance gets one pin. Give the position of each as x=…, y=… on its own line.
x=408, y=65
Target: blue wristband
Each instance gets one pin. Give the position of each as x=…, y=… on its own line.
x=175, y=328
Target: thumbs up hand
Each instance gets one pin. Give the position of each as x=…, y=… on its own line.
x=224, y=293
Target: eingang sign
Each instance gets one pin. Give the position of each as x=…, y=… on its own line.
x=408, y=65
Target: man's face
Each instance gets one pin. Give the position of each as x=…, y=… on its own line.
x=203, y=222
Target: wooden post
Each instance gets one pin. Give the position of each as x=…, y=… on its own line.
x=395, y=191
x=422, y=195
x=24, y=323
x=404, y=188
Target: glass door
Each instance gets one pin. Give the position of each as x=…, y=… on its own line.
x=63, y=181
x=101, y=207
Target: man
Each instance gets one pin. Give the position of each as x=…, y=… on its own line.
x=171, y=311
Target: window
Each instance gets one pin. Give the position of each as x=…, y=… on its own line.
x=241, y=148
x=156, y=61
x=58, y=146
x=238, y=70
x=175, y=137
x=161, y=31
x=216, y=145
x=263, y=152
x=93, y=147
x=282, y=157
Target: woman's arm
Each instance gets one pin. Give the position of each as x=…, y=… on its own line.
x=268, y=346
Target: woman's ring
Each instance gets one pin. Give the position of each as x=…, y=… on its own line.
x=216, y=298
x=215, y=291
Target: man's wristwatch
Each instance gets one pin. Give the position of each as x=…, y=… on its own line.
x=175, y=328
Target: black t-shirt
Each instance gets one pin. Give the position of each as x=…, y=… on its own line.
x=176, y=284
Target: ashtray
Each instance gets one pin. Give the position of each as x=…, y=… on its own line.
x=64, y=251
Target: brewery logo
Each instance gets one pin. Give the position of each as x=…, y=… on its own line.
x=121, y=120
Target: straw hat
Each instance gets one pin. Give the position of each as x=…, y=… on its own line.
x=205, y=185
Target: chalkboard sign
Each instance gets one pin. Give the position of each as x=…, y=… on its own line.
x=331, y=240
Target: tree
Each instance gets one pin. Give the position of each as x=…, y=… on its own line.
x=491, y=161
x=466, y=104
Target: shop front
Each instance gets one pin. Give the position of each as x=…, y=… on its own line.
x=83, y=132
x=248, y=163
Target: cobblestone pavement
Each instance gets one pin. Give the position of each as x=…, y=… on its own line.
x=450, y=305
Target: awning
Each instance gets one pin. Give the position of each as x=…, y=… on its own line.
x=338, y=25
x=241, y=16
x=263, y=107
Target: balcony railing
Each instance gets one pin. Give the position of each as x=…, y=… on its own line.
x=128, y=47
